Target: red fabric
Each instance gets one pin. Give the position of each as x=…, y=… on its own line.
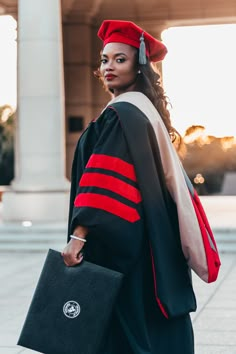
x=155, y=287
x=129, y=33
x=112, y=184
x=108, y=204
x=112, y=164
x=212, y=255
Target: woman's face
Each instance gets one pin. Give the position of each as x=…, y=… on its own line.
x=118, y=67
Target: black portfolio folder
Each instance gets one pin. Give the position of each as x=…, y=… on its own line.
x=71, y=307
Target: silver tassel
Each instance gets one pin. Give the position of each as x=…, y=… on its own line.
x=142, y=51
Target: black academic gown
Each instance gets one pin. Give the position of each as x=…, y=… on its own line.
x=118, y=192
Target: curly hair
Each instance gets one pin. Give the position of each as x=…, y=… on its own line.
x=149, y=83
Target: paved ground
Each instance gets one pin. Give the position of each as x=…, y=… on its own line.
x=214, y=322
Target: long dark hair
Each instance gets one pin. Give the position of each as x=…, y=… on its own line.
x=149, y=83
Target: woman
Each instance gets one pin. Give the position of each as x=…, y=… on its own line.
x=129, y=200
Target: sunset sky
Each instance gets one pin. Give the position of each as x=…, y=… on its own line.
x=199, y=74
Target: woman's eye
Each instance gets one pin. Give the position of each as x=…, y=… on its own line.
x=120, y=60
x=103, y=61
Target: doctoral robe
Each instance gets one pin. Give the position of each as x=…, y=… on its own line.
x=118, y=192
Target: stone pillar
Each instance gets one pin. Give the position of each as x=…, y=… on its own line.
x=39, y=191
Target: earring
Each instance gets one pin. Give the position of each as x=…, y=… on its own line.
x=139, y=72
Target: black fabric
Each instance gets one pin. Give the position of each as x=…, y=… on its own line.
x=48, y=330
x=172, y=275
x=138, y=326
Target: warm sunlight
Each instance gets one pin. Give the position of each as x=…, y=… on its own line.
x=200, y=76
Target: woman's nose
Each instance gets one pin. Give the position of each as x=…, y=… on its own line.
x=109, y=66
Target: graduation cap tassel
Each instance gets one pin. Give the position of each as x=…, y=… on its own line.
x=142, y=51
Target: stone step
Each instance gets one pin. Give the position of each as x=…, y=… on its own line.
x=39, y=237
x=34, y=243
x=28, y=227
x=37, y=248
x=15, y=237
x=226, y=240
x=225, y=237
x=25, y=244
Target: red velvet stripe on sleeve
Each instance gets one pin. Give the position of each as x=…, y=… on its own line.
x=112, y=164
x=106, y=203
x=113, y=184
x=121, y=185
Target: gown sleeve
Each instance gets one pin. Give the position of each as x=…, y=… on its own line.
x=105, y=195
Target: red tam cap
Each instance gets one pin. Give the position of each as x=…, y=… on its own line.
x=129, y=33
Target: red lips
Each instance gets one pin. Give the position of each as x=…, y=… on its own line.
x=110, y=77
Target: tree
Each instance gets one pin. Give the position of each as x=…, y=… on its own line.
x=208, y=156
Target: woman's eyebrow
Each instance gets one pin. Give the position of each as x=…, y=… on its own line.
x=116, y=55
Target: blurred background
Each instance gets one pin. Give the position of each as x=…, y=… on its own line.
x=48, y=95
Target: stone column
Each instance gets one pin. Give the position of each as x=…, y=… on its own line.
x=39, y=191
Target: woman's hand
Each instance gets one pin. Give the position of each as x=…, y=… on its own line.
x=72, y=253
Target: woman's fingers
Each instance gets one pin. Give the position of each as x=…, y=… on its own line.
x=72, y=259
x=72, y=253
